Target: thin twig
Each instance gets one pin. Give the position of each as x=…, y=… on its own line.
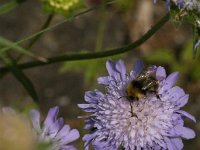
x=55, y=25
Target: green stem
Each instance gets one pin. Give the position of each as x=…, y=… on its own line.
x=46, y=25
x=21, y=77
x=101, y=29
x=101, y=54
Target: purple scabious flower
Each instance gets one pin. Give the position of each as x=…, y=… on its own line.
x=188, y=4
x=188, y=9
x=155, y=121
x=53, y=130
x=184, y=4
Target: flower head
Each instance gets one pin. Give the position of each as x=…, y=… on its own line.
x=63, y=7
x=184, y=4
x=184, y=9
x=54, y=130
x=155, y=121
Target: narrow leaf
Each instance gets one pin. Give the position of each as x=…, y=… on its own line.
x=5, y=42
x=9, y=6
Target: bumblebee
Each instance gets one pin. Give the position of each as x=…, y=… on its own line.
x=145, y=83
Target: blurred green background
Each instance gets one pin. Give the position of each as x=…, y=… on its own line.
x=64, y=84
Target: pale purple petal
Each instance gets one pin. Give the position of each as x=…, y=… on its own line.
x=69, y=147
x=160, y=73
x=53, y=128
x=173, y=94
x=71, y=136
x=63, y=132
x=197, y=43
x=184, y=132
x=182, y=101
x=168, y=4
x=51, y=116
x=92, y=97
x=111, y=68
x=178, y=143
x=169, y=82
x=35, y=118
x=99, y=145
x=177, y=119
x=138, y=67
x=87, y=107
x=170, y=145
x=121, y=68
x=103, y=80
x=89, y=123
x=185, y=114
x=88, y=138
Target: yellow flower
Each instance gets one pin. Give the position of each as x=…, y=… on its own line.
x=64, y=7
x=16, y=133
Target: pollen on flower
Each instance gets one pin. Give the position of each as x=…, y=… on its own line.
x=153, y=121
x=63, y=7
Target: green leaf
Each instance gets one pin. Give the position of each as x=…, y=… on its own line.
x=195, y=73
x=125, y=4
x=5, y=42
x=44, y=146
x=10, y=6
x=21, y=77
x=90, y=68
x=160, y=56
x=186, y=55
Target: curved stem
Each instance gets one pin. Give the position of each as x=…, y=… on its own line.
x=46, y=25
x=111, y=52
